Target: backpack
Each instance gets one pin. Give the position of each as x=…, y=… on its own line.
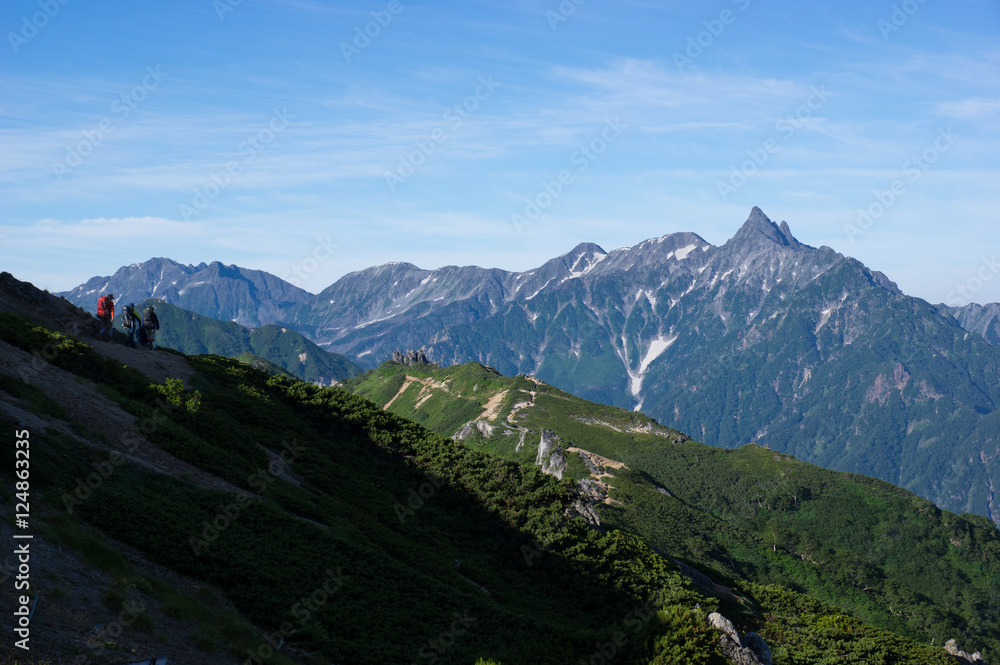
x=102, y=307
x=129, y=319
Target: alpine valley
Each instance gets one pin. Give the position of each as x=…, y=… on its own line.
x=763, y=339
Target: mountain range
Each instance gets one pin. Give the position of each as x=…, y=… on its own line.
x=763, y=339
x=248, y=297
x=195, y=508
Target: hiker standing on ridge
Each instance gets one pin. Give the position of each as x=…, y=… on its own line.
x=150, y=324
x=106, y=313
x=130, y=321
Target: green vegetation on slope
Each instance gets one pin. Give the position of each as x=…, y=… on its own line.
x=192, y=333
x=888, y=557
x=370, y=539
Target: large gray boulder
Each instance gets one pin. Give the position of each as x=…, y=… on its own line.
x=750, y=650
x=951, y=646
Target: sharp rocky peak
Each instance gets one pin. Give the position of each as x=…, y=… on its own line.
x=759, y=227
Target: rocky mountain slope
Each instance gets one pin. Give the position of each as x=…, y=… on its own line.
x=231, y=293
x=762, y=339
x=338, y=532
x=983, y=320
x=749, y=514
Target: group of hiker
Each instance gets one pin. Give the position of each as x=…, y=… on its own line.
x=141, y=330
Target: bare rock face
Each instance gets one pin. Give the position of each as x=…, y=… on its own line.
x=724, y=626
x=473, y=426
x=585, y=510
x=951, y=646
x=750, y=650
x=411, y=357
x=550, y=456
x=756, y=643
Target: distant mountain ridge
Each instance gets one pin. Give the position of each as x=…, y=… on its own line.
x=762, y=339
x=248, y=297
x=983, y=320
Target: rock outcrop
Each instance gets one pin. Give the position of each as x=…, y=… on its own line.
x=751, y=649
x=411, y=357
x=473, y=426
x=550, y=455
x=951, y=646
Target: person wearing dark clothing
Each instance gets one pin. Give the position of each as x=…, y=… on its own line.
x=106, y=313
x=150, y=325
x=130, y=321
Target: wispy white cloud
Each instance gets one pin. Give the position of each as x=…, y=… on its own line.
x=976, y=108
x=69, y=233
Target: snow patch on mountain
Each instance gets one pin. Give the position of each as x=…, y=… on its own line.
x=683, y=252
x=648, y=294
x=655, y=349
x=593, y=260
x=539, y=290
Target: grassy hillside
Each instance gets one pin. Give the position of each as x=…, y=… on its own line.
x=879, y=552
x=193, y=333
x=362, y=537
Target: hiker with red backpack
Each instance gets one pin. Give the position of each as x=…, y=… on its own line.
x=106, y=313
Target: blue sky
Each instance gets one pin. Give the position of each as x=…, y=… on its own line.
x=277, y=134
